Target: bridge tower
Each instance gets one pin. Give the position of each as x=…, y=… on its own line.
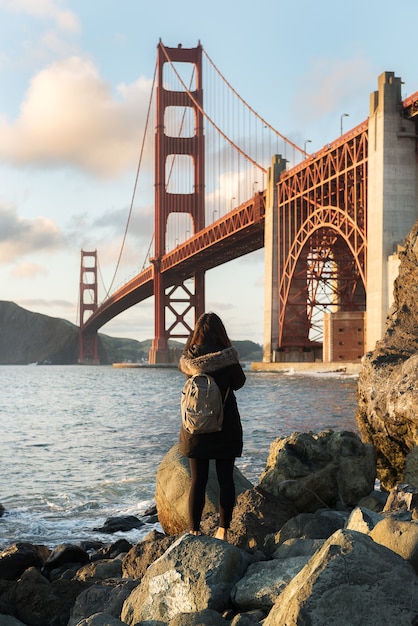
x=166, y=149
x=392, y=198
x=88, y=342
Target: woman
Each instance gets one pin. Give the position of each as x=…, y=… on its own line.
x=209, y=351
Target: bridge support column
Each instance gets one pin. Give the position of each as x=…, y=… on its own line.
x=168, y=202
x=392, y=199
x=271, y=267
x=88, y=343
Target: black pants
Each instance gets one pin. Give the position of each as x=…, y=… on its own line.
x=200, y=472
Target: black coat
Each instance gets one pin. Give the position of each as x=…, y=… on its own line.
x=223, y=365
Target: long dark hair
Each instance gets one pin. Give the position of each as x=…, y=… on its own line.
x=209, y=331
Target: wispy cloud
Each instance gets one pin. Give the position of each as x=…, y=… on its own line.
x=71, y=117
x=27, y=270
x=64, y=19
x=331, y=84
x=21, y=236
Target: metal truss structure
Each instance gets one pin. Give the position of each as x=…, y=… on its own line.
x=322, y=238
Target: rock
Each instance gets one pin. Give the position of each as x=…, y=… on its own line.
x=144, y=553
x=297, y=547
x=363, y=520
x=100, y=570
x=120, y=524
x=194, y=574
x=18, y=557
x=8, y=620
x=262, y=582
x=35, y=601
x=350, y=580
x=399, y=536
x=2, y=510
x=258, y=513
x=63, y=555
x=375, y=501
x=314, y=470
x=207, y=617
x=106, y=596
x=319, y=525
x=402, y=498
x=100, y=619
x=248, y=619
x=110, y=552
x=172, y=491
x=387, y=392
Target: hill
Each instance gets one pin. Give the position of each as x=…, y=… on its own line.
x=27, y=337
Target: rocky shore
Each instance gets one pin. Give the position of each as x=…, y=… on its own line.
x=312, y=543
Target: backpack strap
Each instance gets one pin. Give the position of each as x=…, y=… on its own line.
x=226, y=396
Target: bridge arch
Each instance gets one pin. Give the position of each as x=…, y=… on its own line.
x=328, y=247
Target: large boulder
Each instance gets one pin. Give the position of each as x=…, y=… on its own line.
x=172, y=491
x=350, y=580
x=107, y=596
x=144, y=553
x=34, y=600
x=314, y=470
x=387, y=396
x=257, y=513
x=194, y=574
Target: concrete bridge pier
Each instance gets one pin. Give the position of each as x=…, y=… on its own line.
x=271, y=267
x=392, y=197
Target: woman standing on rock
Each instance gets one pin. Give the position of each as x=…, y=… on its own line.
x=209, y=351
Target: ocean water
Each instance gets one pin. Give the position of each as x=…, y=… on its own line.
x=81, y=444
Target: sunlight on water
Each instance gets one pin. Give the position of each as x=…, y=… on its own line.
x=80, y=444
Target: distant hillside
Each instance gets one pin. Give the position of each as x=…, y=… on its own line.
x=27, y=337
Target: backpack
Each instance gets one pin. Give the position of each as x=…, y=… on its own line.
x=201, y=405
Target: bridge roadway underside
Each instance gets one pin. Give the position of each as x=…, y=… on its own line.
x=231, y=237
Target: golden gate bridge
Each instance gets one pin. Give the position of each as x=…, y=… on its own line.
x=226, y=183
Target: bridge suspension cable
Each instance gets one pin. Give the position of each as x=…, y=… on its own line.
x=301, y=150
x=135, y=184
x=207, y=117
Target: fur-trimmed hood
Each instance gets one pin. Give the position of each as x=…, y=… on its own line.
x=208, y=363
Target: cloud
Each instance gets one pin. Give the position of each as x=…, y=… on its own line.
x=331, y=84
x=28, y=270
x=21, y=236
x=71, y=117
x=64, y=19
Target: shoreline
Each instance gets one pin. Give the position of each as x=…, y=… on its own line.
x=344, y=368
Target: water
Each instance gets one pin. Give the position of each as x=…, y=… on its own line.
x=81, y=444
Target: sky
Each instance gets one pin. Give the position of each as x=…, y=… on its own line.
x=75, y=80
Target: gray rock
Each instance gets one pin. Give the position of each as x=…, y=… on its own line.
x=319, y=525
x=350, y=580
x=248, y=619
x=387, y=391
x=120, y=524
x=314, y=470
x=194, y=574
x=144, y=553
x=8, y=620
x=402, y=498
x=18, y=557
x=100, y=619
x=363, y=520
x=34, y=600
x=172, y=491
x=298, y=547
x=107, y=596
x=207, y=617
x=100, y=570
x=257, y=513
x=399, y=536
x=262, y=582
